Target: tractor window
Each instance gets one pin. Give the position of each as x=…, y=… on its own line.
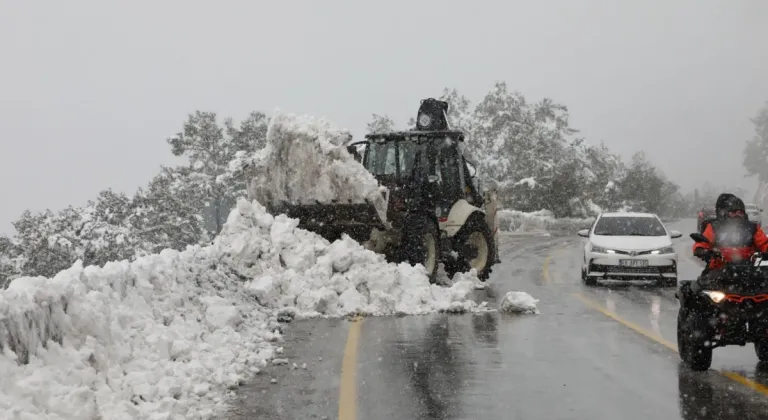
x=407, y=154
x=380, y=158
x=450, y=173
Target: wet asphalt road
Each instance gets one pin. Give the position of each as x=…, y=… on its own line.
x=606, y=352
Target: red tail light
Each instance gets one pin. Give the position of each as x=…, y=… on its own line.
x=701, y=214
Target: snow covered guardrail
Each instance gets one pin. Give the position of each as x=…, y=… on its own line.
x=544, y=221
x=164, y=336
x=540, y=221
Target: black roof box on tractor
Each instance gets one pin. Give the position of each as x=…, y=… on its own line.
x=431, y=122
x=432, y=115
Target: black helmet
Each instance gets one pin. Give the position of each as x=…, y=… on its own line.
x=728, y=204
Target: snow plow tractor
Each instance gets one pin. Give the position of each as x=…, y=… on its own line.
x=434, y=211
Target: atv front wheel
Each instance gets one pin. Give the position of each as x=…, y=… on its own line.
x=475, y=248
x=761, y=349
x=690, y=345
x=421, y=244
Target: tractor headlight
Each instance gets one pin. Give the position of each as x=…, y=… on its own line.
x=600, y=250
x=715, y=295
x=665, y=250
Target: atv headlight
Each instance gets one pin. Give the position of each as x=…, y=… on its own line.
x=665, y=250
x=715, y=295
x=601, y=250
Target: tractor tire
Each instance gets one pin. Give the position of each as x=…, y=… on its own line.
x=421, y=244
x=476, y=235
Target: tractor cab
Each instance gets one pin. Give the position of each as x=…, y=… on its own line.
x=423, y=168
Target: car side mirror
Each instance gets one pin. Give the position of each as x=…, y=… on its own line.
x=584, y=233
x=674, y=234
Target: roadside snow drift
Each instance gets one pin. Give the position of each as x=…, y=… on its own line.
x=163, y=337
x=305, y=161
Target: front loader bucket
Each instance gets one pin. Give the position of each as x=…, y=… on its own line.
x=331, y=220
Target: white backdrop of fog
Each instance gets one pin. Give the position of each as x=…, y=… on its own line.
x=89, y=89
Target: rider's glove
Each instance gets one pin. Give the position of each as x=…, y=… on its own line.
x=705, y=254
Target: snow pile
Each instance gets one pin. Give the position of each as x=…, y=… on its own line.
x=519, y=302
x=305, y=275
x=305, y=161
x=539, y=221
x=164, y=336
x=140, y=340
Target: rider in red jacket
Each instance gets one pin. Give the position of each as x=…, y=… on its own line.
x=732, y=233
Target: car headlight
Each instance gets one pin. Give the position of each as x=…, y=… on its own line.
x=715, y=295
x=601, y=250
x=665, y=250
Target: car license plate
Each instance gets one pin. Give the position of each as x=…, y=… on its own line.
x=633, y=263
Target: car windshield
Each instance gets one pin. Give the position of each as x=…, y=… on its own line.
x=629, y=226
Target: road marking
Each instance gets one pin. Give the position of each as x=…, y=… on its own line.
x=545, y=270
x=746, y=382
x=348, y=388
x=642, y=331
x=666, y=343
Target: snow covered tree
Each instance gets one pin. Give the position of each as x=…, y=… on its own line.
x=47, y=242
x=210, y=149
x=8, y=260
x=460, y=111
x=756, y=150
x=643, y=187
x=167, y=213
x=380, y=124
x=105, y=232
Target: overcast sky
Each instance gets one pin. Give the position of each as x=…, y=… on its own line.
x=89, y=90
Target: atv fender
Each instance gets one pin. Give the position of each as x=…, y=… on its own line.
x=458, y=215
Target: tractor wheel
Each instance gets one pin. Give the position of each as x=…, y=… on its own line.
x=475, y=247
x=421, y=244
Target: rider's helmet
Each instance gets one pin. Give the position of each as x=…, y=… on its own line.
x=720, y=211
x=732, y=208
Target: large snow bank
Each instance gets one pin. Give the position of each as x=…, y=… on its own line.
x=164, y=336
x=539, y=221
x=305, y=161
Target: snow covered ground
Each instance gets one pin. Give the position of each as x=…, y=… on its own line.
x=168, y=335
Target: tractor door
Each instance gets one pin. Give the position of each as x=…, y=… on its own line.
x=449, y=164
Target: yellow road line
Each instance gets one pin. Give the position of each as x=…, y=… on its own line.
x=746, y=382
x=666, y=343
x=545, y=270
x=642, y=331
x=348, y=388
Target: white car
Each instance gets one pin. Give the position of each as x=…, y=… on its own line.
x=754, y=213
x=629, y=246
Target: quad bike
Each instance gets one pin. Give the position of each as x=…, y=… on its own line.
x=723, y=307
x=435, y=212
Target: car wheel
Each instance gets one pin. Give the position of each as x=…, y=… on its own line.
x=587, y=280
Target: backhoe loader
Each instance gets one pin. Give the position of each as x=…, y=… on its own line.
x=434, y=211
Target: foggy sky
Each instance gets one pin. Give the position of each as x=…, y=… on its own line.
x=89, y=90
